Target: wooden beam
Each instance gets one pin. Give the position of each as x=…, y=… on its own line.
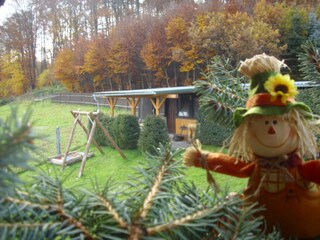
x=112, y=101
x=172, y=96
x=87, y=132
x=158, y=103
x=133, y=102
x=70, y=141
x=83, y=112
x=85, y=154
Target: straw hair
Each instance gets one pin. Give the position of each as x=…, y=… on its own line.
x=189, y=156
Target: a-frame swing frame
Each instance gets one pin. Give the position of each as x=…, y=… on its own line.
x=93, y=117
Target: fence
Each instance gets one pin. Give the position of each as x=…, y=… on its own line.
x=86, y=99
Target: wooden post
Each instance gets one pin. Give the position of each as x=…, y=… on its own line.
x=70, y=141
x=105, y=131
x=112, y=103
x=133, y=104
x=158, y=104
x=58, y=139
x=85, y=154
x=87, y=132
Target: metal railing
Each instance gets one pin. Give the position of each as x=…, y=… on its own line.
x=85, y=99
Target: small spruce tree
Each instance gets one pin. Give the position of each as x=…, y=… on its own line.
x=154, y=133
x=126, y=131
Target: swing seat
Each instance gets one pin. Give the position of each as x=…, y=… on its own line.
x=72, y=157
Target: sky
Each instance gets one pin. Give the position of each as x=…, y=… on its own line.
x=6, y=10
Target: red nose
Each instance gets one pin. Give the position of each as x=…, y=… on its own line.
x=271, y=130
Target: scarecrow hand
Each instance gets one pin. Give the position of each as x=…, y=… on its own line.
x=218, y=162
x=193, y=154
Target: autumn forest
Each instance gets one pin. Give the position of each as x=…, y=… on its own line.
x=100, y=45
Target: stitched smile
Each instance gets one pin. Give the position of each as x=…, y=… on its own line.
x=271, y=146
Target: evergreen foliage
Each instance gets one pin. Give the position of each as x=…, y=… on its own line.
x=310, y=96
x=153, y=134
x=314, y=28
x=157, y=204
x=296, y=35
x=310, y=61
x=16, y=147
x=210, y=133
x=221, y=92
x=4, y=101
x=99, y=136
x=126, y=131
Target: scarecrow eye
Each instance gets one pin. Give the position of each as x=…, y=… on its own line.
x=274, y=122
x=266, y=122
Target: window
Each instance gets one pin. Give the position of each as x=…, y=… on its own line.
x=187, y=106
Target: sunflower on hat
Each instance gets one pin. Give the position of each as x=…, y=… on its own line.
x=281, y=86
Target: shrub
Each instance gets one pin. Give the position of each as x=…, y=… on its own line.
x=154, y=132
x=310, y=96
x=5, y=101
x=210, y=133
x=99, y=136
x=126, y=131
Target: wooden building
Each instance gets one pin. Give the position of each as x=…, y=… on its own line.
x=179, y=106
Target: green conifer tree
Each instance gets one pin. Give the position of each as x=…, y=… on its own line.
x=154, y=133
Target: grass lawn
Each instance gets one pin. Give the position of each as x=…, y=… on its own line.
x=48, y=116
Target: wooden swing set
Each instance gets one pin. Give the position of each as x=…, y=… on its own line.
x=93, y=118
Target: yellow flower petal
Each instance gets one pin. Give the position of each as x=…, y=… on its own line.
x=281, y=85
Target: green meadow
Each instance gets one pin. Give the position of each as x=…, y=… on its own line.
x=47, y=117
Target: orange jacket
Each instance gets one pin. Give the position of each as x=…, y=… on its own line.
x=290, y=194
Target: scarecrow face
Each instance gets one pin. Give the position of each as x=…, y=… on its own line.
x=271, y=136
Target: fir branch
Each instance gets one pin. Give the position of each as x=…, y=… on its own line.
x=221, y=92
x=155, y=189
x=28, y=203
x=207, y=88
x=113, y=211
x=27, y=225
x=75, y=222
x=16, y=146
x=309, y=61
x=243, y=217
x=58, y=208
x=177, y=222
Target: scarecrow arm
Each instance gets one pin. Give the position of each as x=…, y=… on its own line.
x=310, y=171
x=218, y=162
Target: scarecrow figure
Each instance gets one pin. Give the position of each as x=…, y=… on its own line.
x=275, y=136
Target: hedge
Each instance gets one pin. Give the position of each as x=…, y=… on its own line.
x=99, y=136
x=210, y=133
x=126, y=131
x=154, y=133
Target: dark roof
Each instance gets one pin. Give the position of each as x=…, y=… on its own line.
x=146, y=92
x=150, y=92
